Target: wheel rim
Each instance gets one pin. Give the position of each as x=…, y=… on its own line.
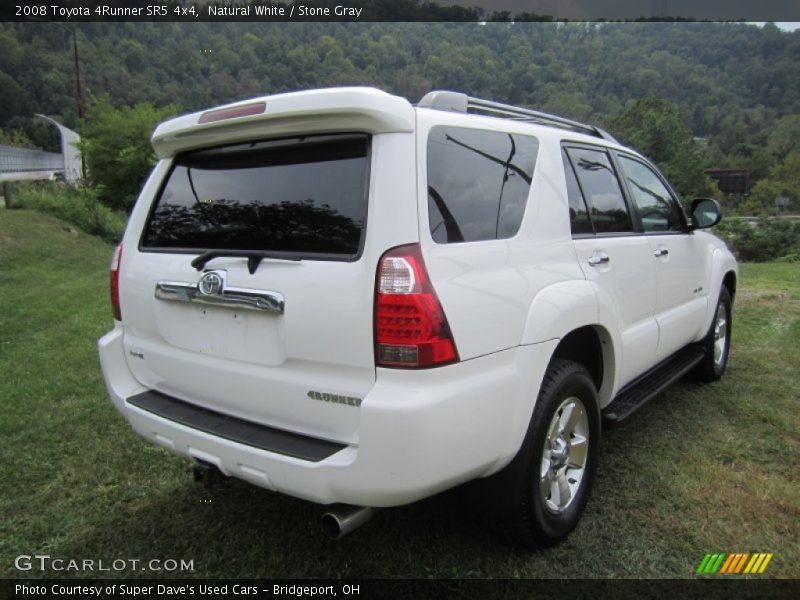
x=720, y=335
x=566, y=450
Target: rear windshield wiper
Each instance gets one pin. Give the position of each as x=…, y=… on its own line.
x=254, y=257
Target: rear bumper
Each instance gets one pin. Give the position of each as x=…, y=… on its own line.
x=420, y=432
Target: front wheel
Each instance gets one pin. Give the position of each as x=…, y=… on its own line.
x=717, y=342
x=544, y=490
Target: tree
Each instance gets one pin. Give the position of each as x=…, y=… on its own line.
x=116, y=146
x=761, y=199
x=655, y=128
x=785, y=136
x=13, y=100
x=783, y=181
x=16, y=138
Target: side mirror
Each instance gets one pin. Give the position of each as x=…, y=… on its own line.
x=706, y=212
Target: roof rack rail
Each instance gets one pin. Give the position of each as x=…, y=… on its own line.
x=458, y=102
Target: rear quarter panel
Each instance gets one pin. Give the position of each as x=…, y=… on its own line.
x=486, y=288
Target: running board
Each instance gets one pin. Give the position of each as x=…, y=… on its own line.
x=643, y=389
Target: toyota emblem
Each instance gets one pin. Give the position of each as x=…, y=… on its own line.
x=210, y=284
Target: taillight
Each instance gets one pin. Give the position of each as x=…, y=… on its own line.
x=116, y=259
x=411, y=330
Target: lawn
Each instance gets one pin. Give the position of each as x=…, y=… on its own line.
x=702, y=469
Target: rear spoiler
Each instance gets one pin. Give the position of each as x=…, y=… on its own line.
x=315, y=111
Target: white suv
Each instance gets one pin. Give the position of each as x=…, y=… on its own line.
x=342, y=297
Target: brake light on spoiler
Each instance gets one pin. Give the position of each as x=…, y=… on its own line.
x=411, y=329
x=222, y=114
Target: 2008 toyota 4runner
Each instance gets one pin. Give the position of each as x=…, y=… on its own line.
x=339, y=296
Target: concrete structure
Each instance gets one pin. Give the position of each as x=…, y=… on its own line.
x=17, y=164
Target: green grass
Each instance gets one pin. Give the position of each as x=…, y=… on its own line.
x=77, y=205
x=703, y=469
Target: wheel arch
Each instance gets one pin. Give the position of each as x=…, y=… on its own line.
x=724, y=272
x=570, y=312
x=729, y=281
x=591, y=346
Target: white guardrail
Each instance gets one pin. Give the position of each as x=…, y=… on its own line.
x=21, y=163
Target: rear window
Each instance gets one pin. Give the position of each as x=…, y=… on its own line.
x=478, y=183
x=304, y=195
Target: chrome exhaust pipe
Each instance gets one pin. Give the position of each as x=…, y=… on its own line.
x=341, y=519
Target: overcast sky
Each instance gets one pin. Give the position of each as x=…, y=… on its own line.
x=760, y=10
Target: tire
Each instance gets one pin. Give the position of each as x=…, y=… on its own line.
x=717, y=342
x=537, y=499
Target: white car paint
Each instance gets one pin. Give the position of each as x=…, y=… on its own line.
x=508, y=302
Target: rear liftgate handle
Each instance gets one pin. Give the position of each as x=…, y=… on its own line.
x=192, y=293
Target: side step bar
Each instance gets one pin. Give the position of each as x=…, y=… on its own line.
x=640, y=391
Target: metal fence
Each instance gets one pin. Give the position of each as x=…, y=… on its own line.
x=23, y=160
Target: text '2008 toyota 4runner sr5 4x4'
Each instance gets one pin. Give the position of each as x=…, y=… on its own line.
x=342, y=297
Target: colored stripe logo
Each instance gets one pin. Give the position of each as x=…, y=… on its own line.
x=736, y=563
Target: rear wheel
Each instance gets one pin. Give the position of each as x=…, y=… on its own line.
x=539, y=497
x=564, y=456
x=717, y=342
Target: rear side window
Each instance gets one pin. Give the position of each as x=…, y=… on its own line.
x=478, y=183
x=601, y=190
x=305, y=195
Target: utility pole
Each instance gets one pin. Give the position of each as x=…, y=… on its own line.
x=78, y=91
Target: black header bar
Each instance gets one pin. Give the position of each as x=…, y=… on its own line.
x=384, y=589
x=67, y=11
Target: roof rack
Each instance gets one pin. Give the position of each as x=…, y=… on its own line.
x=458, y=102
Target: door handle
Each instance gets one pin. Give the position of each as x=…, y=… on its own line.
x=598, y=259
x=661, y=251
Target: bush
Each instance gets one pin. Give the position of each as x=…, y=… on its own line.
x=79, y=206
x=761, y=240
x=116, y=146
x=761, y=200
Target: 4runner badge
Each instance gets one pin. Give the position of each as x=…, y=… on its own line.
x=335, y=398
x=210, y=283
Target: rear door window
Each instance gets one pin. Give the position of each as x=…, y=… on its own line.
x=578, y=213
x=478, y=183
x=305, y=195
x=601, y=190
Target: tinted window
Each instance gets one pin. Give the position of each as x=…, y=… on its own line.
x=654, y=203
x=601, y=190
x=578, y=215
x=303, y=195
x=478, y=183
